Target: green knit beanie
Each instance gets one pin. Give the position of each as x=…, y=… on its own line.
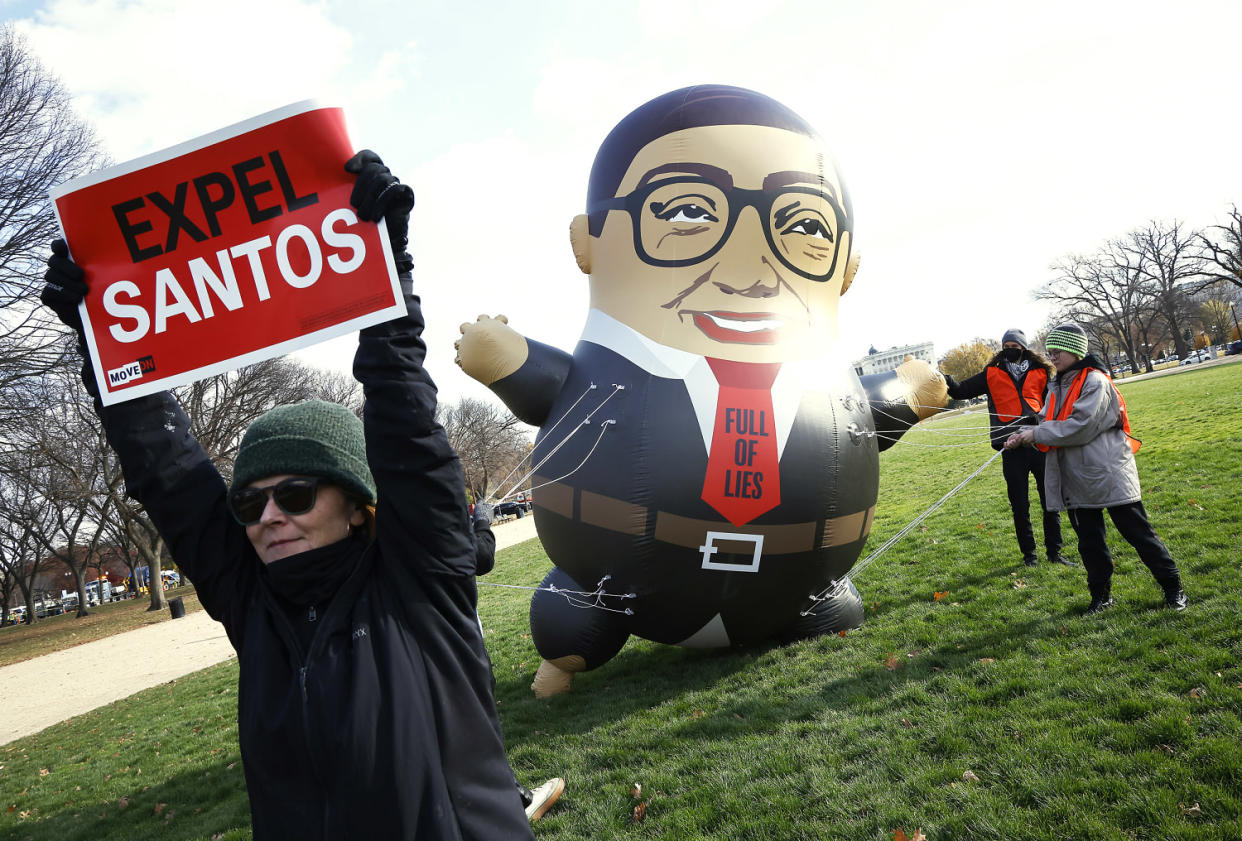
x=307, y=439
x=1068, y=337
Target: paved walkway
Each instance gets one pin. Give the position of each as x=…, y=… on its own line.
x=46, y=690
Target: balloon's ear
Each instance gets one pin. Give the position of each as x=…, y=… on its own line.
x=851, y=269
x=580, y=241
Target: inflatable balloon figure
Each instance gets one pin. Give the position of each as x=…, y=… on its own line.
x=707, y=458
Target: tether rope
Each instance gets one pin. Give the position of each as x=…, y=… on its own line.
x=551, y=429
x=598, y=594
x=858, y=568
x=517, y=487
x=579, y=599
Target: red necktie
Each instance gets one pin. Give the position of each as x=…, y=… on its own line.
x=743, y=475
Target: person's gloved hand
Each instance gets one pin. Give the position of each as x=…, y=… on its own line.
x=378, y=193
x=483, y=514
x=64, y=286
x=948, y=380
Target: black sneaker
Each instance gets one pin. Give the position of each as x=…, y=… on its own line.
x=1099, y=605
x=1031, y=561
x=1058, y=558
x=1176, y=601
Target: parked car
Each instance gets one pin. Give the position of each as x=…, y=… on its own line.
x=1233, y=348
x=511, y=508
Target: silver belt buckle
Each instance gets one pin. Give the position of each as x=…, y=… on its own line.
x=709, y=549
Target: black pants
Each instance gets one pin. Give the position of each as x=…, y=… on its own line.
x=1131, y=521
x=1017, y=465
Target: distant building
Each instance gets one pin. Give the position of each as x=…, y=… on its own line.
x=879, y=361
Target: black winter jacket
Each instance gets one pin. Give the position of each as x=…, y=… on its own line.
x=386, y=727
x=977, y=385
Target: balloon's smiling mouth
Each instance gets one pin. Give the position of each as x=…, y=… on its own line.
x=749, y=328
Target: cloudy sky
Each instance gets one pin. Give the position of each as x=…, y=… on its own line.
x=980, y=142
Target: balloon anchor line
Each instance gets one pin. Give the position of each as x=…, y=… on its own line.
x=577, y=598
x=586, y=421
x=835, y=587
x=591, y=387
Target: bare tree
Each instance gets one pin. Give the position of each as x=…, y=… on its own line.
x=492, y=444
x=21, y=553
x=1106, y=290
x=1222, y=250
x=42, y=144
x=1165, y=256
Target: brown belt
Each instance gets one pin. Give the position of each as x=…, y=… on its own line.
x=627, y=518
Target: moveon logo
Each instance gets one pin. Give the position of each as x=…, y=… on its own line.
x=132, y=371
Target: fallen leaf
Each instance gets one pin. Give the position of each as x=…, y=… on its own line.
x=640, y=812
x=918, y=835
x=636, y=790
x=939, y=595
x=43, y=772
x=986, y=660
x=1167, y=749
x=1197, y=692
x=841, y=633
x=11, y=809
x=738, y=717
x=123, y=802
x=219, y=836
x=892, y=663
x=905, y=722
x=1019, y=583
x=160, y=807
x=1192, y=811
x=697, y=714
x=969, y=777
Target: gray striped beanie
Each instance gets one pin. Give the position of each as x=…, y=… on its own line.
x=1068, y=337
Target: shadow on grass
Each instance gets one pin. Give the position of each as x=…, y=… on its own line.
x=194, y=805
x=646, y=676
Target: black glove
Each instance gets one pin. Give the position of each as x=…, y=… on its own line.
x=65, y=287
x=378, y=193
x=482, y=514
x=949, y=381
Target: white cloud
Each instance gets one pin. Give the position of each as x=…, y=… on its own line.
x=981, y=141
x=152, y=73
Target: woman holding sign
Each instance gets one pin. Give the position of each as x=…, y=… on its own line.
x=341, y=563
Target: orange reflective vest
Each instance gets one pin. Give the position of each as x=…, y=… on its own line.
x=1052, y=414
x=1007, y=402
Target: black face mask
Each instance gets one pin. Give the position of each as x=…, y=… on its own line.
x=1011, y=354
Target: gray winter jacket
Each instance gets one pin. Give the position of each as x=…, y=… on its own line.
x=1092, y=465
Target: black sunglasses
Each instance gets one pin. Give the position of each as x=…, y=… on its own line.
x=293, y=496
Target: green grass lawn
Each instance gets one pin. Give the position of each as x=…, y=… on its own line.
x=994, y=712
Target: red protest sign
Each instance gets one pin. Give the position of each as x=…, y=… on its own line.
x=235, y=247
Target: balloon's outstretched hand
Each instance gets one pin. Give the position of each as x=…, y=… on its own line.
x=489, y=349
x=926, y=389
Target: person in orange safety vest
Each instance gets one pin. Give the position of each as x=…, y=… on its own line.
x=1090, y=467
x=1014, y=381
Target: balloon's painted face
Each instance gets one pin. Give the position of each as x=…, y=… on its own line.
x=724, y=241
